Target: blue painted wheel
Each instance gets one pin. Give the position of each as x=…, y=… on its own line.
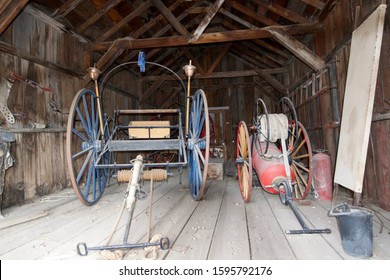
x=83, y=148
x=198, y=143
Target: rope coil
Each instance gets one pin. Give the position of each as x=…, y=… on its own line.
x=158, y=175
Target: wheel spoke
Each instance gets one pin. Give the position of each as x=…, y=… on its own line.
x=298, y=148
x=81, y=117
x=78, y=134
x=82, y=169
x=87, y=112
x=301, y=157
x=82, y=153
x=199, y=154
x=300, y=180
x=301, y=167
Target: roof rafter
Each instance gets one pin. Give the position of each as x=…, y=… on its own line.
x=139, y=10
x=216, y=37
x=66, y=8
x=171, y=18
x=297, y=48
x=251, y=13
x=273, y=82
x=283, y=12
x=9, y=9
x=219, y=58
x=206, y=20
x=109, y=5
x=315, y=3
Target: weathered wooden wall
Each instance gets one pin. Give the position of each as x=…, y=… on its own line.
x=40, y=50
x=320, y=108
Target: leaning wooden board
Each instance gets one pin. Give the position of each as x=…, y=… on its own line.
x=359, y=100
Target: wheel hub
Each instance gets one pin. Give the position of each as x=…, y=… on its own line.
x=96, y=145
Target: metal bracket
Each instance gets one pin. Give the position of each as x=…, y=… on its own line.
x=5, y=88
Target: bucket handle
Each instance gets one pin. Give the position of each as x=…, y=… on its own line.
x=332, y=212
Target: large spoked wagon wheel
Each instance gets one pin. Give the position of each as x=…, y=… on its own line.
x=244, y=161
x=83, y=147
x=197, y=146
x=301, y=163
x=261, y=135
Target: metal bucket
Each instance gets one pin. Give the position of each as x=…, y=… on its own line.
x=355, y=227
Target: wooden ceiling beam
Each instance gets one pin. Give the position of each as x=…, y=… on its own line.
x=236, y=19
x=254, y=15
x=155, y=20
x=107, y=59
x=221, y=75
x=66, y=8
x=283, y=12
x=171, y=18
x=297, y=48
x=207, y=38
x=152, y=89
x=275, y=95
x=108, y=6
x=271, y=48
x=3, y=5
x=261, y=43
x=139, y=10
x=326, y=10
x=206, y=21
x=273, y=82
x=163, y=30
x=251, y=55
x=194, y=61
x=9, y=9
x=315, y=3
x=219, y=58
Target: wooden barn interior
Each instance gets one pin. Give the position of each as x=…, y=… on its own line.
x=247, y=56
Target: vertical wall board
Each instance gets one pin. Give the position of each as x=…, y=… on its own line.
x=358, y=101
x=381, y=132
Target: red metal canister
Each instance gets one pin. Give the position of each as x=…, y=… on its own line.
x=322, y=176
x=269, y=169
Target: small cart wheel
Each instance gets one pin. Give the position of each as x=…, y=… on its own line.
x=244, y=161
x=301, y=163
x=198, y=147
x=83, y=147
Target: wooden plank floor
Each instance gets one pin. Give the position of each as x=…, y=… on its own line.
x=220, y=227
